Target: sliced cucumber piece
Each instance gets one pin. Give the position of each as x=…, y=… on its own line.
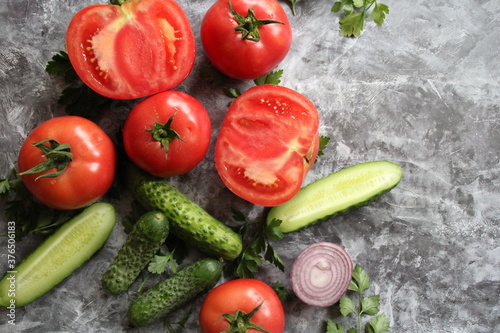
x=351, y=187
x=58, y=256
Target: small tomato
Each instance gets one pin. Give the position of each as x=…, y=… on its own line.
x=67, y=162
x=242, y=305
x=246, y=39
x=167, y=134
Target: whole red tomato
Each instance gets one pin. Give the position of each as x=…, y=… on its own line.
x=267, y=143
x=247, y=302
x=167, y=134
x=246, y=39
x=79, y=155
x=134, y=50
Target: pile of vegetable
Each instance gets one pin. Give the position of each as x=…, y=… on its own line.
x=266, y=145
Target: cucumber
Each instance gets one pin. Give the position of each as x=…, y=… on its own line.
x=142, y=243
x=188, y=221
x=175, y=291
x=339, y=192
x=58, y=256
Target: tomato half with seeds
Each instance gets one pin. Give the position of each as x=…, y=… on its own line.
x=67, y=162
x=132, y=50
x=167, y=134
x=267, y=143
x=246, y=39
x=242, y=305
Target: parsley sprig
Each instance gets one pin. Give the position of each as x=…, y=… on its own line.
x=258, y=248
x=77, y=97
x=368, y=305
x=353, y=22
x=31, y=216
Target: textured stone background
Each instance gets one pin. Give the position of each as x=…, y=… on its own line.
x=421, y=91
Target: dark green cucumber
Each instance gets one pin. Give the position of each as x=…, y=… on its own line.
x=174, y=292
x=140, y=246
x=339, y=192
x=58, y=256
x=188, y=220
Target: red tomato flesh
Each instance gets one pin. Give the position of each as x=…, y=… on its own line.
x=87, y=177
x=243, y=295
x=267, y=143
x=134, y=50
x=190, y=121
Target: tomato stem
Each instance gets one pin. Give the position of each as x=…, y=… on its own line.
x=240, y=321
x=165, y=133
x=58, y=156
x=249, y=25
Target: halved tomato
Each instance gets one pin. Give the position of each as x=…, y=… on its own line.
x=133, y=50
x=267, y=143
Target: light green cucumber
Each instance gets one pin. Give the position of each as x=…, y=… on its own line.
x=188, y=221
x=175, y=291
x=140, y=246
x=339, y=192
x=58, y=256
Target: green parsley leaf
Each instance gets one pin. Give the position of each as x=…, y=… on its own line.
x=273, y=231
x=379, y=12
x=273, y=77
x=158, y=264
x=283, y=293
x=370, y=304
x=352, y=24
x=378, y=324
x=82, y=101
x=363, y=304
x=31, y=216
x=362, y=281
x=258, y=247
x=332, y=327
x=232, y=92
x=355, y=13
x=346, y=306
x=5, y=186
x=60, y=65
x=77, y=97
x=323, y=143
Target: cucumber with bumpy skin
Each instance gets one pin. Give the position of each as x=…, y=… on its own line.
x=58, y=256
x=188, y=221
x=140, y=246
x=175, y=291
x=339, y=192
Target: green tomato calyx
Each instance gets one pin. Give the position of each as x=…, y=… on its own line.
x=165, y=133
x=57, y=156
x=249, y=25
x=240, y=321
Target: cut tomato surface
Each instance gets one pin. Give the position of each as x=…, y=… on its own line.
x=267, y=143
x=133, y=50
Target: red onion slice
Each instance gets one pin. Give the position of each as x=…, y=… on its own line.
x=321, y=274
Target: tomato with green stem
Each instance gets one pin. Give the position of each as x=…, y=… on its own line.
x=67, y=162
x=242, y=305
x=167, y=134
x=132, y=50
x=246, y=39
x=267, y=143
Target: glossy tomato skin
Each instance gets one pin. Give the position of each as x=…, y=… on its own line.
x=190, y=121
x=244, y=295
x=267, y=143
x=239, y=58
x=134, y=50
x=87, y=177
